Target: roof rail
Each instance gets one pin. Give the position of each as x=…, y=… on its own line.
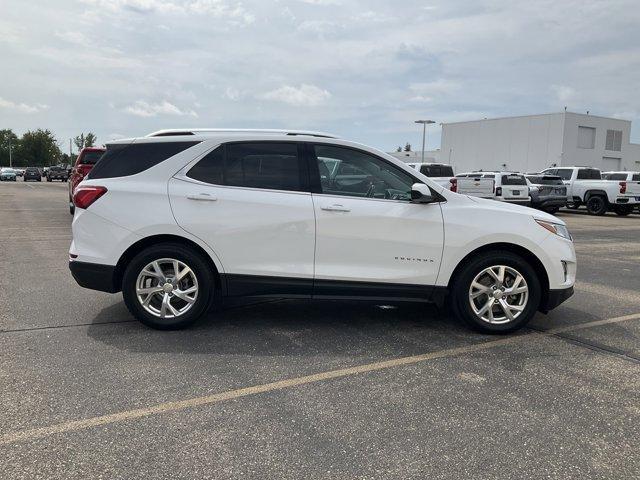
x=204, y=131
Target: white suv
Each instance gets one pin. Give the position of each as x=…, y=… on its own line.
x=180, y=220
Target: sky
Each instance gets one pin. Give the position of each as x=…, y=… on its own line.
x=364, y=70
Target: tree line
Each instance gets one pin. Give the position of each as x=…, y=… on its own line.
x=38, y=148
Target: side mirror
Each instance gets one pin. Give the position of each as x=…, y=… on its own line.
x=420, y=193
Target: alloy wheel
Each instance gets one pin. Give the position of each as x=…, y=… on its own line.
x=167, y=288
x=498, y=294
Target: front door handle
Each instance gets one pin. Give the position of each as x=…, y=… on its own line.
x=335, y=208
x=202, y=196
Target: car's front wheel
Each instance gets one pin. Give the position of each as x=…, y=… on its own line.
x=597, y=205
x=168, y=286
x=498, y=292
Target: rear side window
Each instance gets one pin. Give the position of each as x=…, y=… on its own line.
x=268, y=165
x=90, y=158
x=436, y=170
x=588, y=174
x=513, y=180
x=121, y=160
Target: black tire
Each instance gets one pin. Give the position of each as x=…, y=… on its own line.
x=574, y=205
x=552, y=210
x=201, y=269
x=460, y=288
x=623, y=210
x=72, y=209
x=597, y=205
x=48, y=179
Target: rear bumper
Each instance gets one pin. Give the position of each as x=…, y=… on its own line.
x=554, y=298
x=550, y=202
x=95, y=276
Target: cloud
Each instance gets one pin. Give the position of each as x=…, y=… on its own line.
x=140, y=108
x=210, y=8
x=303, y=96
x=564, y=93
x=22, y=107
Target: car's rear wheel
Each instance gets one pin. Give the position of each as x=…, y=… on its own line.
x=498, y=292
x=552, y=210
x=623, y=210
x=168, y=286
x=596, y=205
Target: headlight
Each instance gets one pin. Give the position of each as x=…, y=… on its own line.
x=556, y=228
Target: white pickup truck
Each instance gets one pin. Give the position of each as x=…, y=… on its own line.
x=441, y=173
x=502, y=186
x=586, y=186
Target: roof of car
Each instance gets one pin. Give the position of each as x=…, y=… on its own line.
x=209, y=132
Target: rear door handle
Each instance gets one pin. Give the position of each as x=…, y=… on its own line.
x=202, y=196
x=335, y=208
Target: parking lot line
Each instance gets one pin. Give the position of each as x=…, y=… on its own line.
x=168, y=407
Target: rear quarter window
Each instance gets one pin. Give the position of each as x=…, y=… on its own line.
x=122, y=160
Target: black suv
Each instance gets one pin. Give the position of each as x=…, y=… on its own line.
x=57, y=173
x=32, y=173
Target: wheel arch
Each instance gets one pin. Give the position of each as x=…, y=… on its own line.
x=590, y=193
x=519, y=250
x=145, y=242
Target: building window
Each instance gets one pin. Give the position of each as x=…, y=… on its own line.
x=586, y=137
x=614, y=140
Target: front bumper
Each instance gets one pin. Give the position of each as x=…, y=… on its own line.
x=543, y=202
x=95, y=276
x=554, y=298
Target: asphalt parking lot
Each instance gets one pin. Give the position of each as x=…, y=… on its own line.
x=296, y=389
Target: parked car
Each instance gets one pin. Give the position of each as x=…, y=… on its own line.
x=7, y=174
x=440, y=173
x=57, y=172
x=179, y=220
x=19, y=172
x=549, y=193
x=502, y=186
x=585, y=186
x=87, y=158
x=32, y=173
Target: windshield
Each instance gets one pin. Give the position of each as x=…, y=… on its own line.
x=513, y=180
x=436, y=170
x=90, y=158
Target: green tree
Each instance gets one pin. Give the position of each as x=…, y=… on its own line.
x=38, y=148
x=82, y=140
x=8, y=139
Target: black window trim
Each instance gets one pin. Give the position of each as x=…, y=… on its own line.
x=314, y=173
x=302, y=163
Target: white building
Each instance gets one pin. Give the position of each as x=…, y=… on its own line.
x=534, y=142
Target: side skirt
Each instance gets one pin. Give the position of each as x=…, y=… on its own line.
x=291, y=287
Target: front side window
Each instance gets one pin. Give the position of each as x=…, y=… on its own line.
x=353, y=173
x=268, y=165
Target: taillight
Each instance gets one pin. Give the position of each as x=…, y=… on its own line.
x=85, y=195
x=623, y=187
x=498, y=191
x=454, y=184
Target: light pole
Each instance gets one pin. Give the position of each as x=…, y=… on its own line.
x=10, y=159
x=424, y=133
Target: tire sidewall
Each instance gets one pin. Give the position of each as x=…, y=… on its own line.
x=195, y=261
x=600, y=202
x=462, y=283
